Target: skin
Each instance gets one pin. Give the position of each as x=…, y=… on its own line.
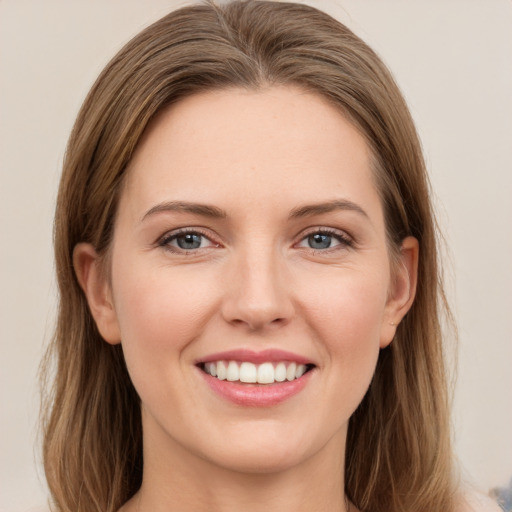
x=254, y=283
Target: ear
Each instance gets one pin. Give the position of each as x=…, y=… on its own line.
x=402, y=289
x=97, y=290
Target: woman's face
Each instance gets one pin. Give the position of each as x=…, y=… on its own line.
x=249, y=244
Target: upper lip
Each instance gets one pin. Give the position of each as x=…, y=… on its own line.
x=263, y=356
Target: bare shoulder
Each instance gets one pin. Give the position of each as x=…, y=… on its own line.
x=476, y=502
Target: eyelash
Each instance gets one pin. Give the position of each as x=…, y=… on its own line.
x=166, y=240
x=344, y=240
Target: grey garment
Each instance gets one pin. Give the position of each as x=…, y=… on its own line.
x=503, y=495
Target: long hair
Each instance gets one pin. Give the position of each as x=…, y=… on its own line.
x=398, y=454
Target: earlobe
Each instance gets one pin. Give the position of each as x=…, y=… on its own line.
x=97, y=291
x=403, y=289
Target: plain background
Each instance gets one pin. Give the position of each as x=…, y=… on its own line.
x=453, y=61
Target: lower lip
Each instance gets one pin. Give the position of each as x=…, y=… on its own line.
x=256, y=395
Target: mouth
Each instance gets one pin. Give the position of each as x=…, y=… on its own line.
x=247, y=372
x=256, y=379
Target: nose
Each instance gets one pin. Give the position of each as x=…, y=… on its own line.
x=257, y=292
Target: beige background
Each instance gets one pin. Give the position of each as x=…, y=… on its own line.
x=453, y=60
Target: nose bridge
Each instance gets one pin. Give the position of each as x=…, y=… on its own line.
x=257, y=294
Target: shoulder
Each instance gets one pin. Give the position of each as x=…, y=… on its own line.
x=476, y=502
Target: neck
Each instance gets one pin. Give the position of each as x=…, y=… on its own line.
x=176, y=480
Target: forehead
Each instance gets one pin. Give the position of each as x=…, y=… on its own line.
x=246, y=147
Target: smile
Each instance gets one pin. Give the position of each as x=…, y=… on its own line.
x=256, y=379
x=250, y=373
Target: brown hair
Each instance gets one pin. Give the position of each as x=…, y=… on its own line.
x=398, y=454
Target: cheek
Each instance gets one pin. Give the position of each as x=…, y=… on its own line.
x=159, y=313
x=350, y=303
x=347, y=315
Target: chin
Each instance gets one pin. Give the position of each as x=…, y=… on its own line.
x=266, y=449
x=260, y=460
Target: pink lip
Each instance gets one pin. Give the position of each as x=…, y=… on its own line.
x=256, y=395
x=270, y=355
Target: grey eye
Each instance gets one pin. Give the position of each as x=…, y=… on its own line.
x=189, y=241
x=186, y=241
x=319, y=241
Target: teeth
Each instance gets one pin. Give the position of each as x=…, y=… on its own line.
x=265, y=373
x=248, y=372
x=232, y=373
x=211, y=369
x=280, y=372
x=299, y=372
x=221, y=370
x=290, y=372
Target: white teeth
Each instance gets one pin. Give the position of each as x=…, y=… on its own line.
x=290, y=372
x=211, y=369
x=221, y=370
x=299, y=372
x=265, y=373
x=232, y=373
x=248, y=373
x=280, y=372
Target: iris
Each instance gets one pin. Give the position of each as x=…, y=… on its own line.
x=319, y=241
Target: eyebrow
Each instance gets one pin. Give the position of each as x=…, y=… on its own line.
x=204, y=210
x=327, y=207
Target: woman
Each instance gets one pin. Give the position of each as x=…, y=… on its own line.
x=250, y=297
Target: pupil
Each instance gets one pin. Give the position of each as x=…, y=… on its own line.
x=189, y=241
x=319, y=241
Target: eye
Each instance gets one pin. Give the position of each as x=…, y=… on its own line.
x=186, y=241
x=325, y=239
x=320, y=241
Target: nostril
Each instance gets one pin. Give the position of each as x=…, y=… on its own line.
x=257, y=323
